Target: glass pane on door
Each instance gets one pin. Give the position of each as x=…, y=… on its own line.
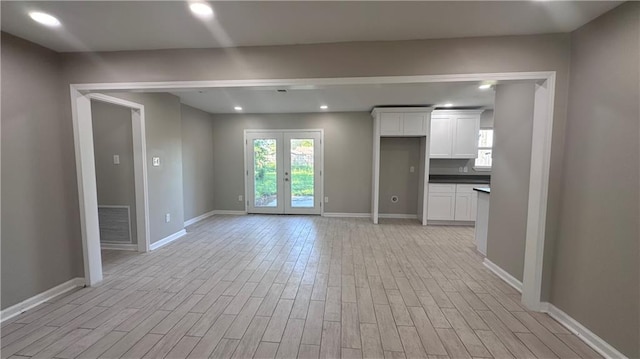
x=302, y=173
x=265, y=174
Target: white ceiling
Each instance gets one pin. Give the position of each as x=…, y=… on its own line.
x=138, y=25
x=338, y=98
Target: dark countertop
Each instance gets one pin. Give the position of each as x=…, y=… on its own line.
x=464, y=179
x=486, y=190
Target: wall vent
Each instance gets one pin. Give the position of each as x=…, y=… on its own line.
x=115, y=224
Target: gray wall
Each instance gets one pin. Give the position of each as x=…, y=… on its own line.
x=510, y=176
x=41, y=244
x=197, y=162
x=396, y=156
x=347, y=156
x=595, y=276
x=112, y=135
x=451, y=167
x=164, y=139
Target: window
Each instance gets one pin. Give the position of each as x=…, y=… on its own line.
x=485, y=144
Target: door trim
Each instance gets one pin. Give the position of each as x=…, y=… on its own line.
x=246, y=162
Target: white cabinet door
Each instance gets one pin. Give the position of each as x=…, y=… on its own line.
x=464, y=206
x=441, y=137
x=441, y=206
x=466, y=202
x=466, y=130
x=442, y=202
x=391, y=124
x=414, y=124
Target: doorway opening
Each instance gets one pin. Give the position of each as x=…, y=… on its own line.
x=538, y=179
x=92, y=250
x=284, y=171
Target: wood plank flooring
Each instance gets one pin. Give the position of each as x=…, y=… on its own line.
x=294, y=286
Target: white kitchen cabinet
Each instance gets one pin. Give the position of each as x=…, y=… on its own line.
x=441, y=137
x=454, y=133
x=391, y=124
x=466, y=129
x=452, y=202
x=466, y=203
x=403, y=123
x=442, y=202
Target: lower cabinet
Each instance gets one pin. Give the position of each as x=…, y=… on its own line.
x=452, y=202
x=466, y=203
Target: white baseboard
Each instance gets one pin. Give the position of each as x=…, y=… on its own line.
x=232, y=213
x=199, y=218
x=512, y=281
x=437, y=222
x=397, y=216
x=119, y=246
x=346, y=215
x=587, y=336
x=38, y=299
x=166, y=240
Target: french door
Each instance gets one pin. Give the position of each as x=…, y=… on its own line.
x=284, y=171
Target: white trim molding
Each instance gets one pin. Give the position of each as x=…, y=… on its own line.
x=229, y=213
x=511, y=280
x=198, y=218
x=397, y=216
x=166, y=240
x=119, y=246
x=38, y=299
x=598, y=344
x=346, y=215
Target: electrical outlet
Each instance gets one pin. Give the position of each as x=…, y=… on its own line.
x=460, y=169
x=326, y=200
x=412, y=169
x=155, y=161
x=167, y=218
x=240, y=198
x=116, y=159
x=466, y=169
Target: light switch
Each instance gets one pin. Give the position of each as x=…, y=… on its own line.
x=412, y=169
x=167, y=217
x=116, y=159
x=326, y=200
x=240, y=198
x=155, y=161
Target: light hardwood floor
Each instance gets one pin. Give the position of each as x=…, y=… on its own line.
x=295, y=286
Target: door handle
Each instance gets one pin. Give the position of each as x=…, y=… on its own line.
x=286, y=173
x=286, y=180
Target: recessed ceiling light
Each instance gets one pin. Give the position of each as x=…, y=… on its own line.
x=484, y=86
x=238, y=108
x=44, y=19
x=448, y=105
x=324, y=107
x=201, y=9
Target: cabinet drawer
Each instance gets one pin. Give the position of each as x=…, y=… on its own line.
x=442, y=188
x=466, y=187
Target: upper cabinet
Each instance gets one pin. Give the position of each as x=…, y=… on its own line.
x=454, y=133
x=403, y=122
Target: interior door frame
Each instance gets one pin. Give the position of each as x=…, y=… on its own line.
x=247, y=167
x=85, y=159
x=538, y=180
